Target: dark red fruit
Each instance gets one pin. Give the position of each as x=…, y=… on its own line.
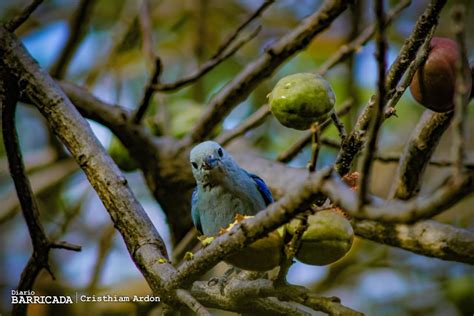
x=434, y=83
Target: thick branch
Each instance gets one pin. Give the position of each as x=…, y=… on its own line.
x=282, y=178
x=397, y=211
x=429, y=238
x=418, y=152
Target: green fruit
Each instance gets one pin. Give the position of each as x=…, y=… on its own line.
x=327, y=238
x=299, y=100
x=120, y=155
x=262, y=255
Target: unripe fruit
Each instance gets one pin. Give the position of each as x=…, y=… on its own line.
x=433, y=84
x=299, y=100
x=328, y=238
x=262, y=255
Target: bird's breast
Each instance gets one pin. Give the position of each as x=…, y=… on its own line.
x=218, y=208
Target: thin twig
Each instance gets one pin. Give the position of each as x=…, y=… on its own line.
x=315, y=147
x=77, y=29
x=207, y=66
x=15, y=23
x=223, y=46
x=348, y=49
x=367, y=159
x=408, y=76
x=439, y=163
x=254, y=120
x=411, y=46
x=104, y=248
x=339, y=125
x=291, y=248
x=148, y=43
x=461, y=97
x=41, y=181
x=149, y=90
x=296, y=148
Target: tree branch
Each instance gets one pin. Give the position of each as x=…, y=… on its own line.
x=418, y=152
x=345, y=51
x=380, y=98
x=223, y=46
x=207, y=66
x=254, y=120
x=77, y=29
x=240, y=87
x=23, y=16
x=41, y=181
x=188, y=300
x=428, y=238
x=461, y=92
x=149, y=90
x=282, y=179
x=397, y=211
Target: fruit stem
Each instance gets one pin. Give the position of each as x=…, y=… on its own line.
x=339, y=125
x=316, y=144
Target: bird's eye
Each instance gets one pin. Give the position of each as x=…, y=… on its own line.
x=220, y=152
x=195, y=165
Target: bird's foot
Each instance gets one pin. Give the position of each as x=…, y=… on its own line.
x=223, y=280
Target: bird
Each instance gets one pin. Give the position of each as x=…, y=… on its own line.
x=223, y=190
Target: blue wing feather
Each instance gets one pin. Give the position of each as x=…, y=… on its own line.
x=195, y=212
x=262, y=188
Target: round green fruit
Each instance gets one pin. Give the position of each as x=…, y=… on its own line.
x=262, y=255
x=328, y=238
x=433, y=85
x=299, y=100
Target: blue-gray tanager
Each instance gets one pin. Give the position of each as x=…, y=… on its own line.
x=224, y=190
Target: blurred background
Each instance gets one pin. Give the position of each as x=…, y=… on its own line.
x=111, y=62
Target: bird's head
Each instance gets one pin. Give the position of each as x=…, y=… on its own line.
x=209, y=162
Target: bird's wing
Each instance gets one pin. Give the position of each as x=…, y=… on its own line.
x=262, y=188
x=195, y=212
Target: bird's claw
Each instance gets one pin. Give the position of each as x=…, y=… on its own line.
x=223, y=280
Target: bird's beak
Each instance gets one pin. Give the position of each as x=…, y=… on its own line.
x=210, y=162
